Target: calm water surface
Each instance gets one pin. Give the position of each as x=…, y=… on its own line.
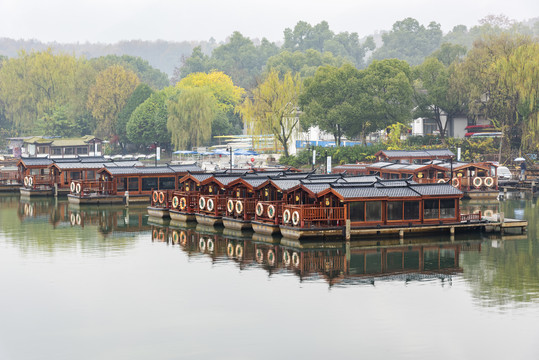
x=110, y=283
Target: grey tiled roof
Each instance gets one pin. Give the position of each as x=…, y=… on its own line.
x=316, y=187
x=201, y=177
x=160, y=170
x=186, y=168
x=360, y=179
x=359, y=192
x=225, y=180
x=80, y=165
x=399, y=192
x=285, y=184
x=255, y=182
x=36, y=161
x=418, y=153
x=436, y=189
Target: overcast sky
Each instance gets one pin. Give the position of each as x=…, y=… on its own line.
x=109, y=21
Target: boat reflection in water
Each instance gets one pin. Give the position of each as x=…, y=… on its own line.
x=337, y=263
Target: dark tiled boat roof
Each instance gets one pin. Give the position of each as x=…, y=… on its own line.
x=186, y=168
x=418, y=153
x=36, y=161
x=285, y=184
x=436, y=189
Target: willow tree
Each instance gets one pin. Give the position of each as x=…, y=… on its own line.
x=190, y=115
x=108, y=96
x=272, y=108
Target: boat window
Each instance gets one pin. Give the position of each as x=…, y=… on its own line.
x=121, y=184
x=74, y=175
x=357, y=211
x=411, y=210
x=394, y=210
x=447, y=208
x=166, y=183
x=149, y=183
x=90, y=175
x=430, y=209
x=373, y=210
x=133, y=184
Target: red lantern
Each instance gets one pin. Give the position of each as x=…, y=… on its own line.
x=252, y=159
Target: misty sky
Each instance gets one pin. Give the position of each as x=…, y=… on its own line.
x=109, y=21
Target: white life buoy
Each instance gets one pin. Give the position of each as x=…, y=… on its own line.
x=78, y=219
x=30, y=181
x=259, y=209
x=259, y=256
x=286, y=258
x=25, y=181
x=210, y=245
x=489, y=181
x=202, y=244
x=72, y=218
x=239, y=207
x=209, y=205
x=441, y=181
x=175, y=202
x=295, y=218
x=183, y=238
x=77, y=189
x=161, y=197
x=175, y=237
x=230, y=205
x=286, y=216
x=271, y=211
x=201, y=203
x=271, y=257
x=488, y=213
x=155, y=197
x=477, y=182
x=455, y=182
x=239, y=251
x=230, y=250
x=183, y=203
x=295, y=259
x=72, y=187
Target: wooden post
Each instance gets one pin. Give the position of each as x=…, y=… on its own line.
x=452, y=233
x=55, y=189
x=401, y=236
x=347, y=230
x=127, y=198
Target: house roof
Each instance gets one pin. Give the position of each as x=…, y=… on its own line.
x=420, y=154
x=35, y=161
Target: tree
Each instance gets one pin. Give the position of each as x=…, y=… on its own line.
x=331, y=100
x=141, y=93
x=190, y=115
x=227, y=97
x=409, y=41
x=435, y=93
x=449, y=53
x=197, y=62
x=303, y=63
x=272, y=108
x=108, y=96
x=148, y=122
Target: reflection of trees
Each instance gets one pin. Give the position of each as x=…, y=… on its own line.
x=507, y=271
x=52, y=227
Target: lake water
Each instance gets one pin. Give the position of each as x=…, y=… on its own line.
x=110, y=283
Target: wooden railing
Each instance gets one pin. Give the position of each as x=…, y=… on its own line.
x=313, y=216
x=35, y=181
x=219, y=205
x=91, y=187
x=264, y=216
x=248, y=206
x=471, y=217
x=9, y=177
x=162, y=198
x=191, y=201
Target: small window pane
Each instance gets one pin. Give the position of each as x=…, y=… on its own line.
x=133, y=184
x=447, y=208
x=411, y=210
x=394, y=210
x=357, y=211
x=373, y=210
x=166, y=183
x=149, y=184
x=430, y=209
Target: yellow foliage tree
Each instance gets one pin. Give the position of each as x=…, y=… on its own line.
x=272, y=108
x=107, y=97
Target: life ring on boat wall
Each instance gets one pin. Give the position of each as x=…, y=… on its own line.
x=455, y=182
x=230, y=250
x=30, y=181
x=286, y=257
x=175, y=237
x=202, y=244
x=239, y=251
x=477, y=182
x=295, y=259
x=155, y=196
x=259, y=209
x=183, y=238
x=259, y=255
x=78, y=219
x=77, y=188
x=271, y=257
x=239, y=207
x=210, y=205
x=201, y=203
x=183, y=203
x=286, y=216
x=155, y=234
x=175, y=202
x=295, y=218
x=271, y=211
x=489, y=181
x=230, y=205
x=161, y=197
x=72, y=186
x=210, y=245
x=488, y=213
x=71, y=218
x=25, y=181
x=441, y=181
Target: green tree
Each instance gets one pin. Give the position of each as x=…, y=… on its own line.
x=108, y=96
x=148, y=122
x=198, y=62
x=305, y=63
x=409, y=41
x=190, y=115
x=449, y=53
x=141, y=93
x=272, y=108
